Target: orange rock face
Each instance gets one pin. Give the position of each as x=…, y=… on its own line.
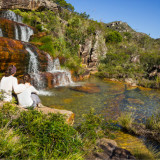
x=14, y=52
x=8, y=27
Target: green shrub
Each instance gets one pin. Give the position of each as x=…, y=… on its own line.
x=39, y=136
x=114, y=37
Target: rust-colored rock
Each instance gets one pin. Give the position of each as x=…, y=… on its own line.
x=87, y=88
x=8, y=28
x=14, y=52
x=28, y=4
x=53, y=79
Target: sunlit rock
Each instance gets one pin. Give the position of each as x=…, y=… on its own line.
x=87, y=88
x=29, y=4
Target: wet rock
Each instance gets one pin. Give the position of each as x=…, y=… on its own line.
x=110, y=151
x=29, y=4
x=16, y=30
x=87, y=88
x=131, y=81
x=54, y=79
x=14, y=52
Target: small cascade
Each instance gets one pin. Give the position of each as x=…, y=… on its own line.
x=63, y=76
x=1, y=33
x=11, y=16
x=33, y=69
x=25, y=33
x=20, y=31
x=16, y=33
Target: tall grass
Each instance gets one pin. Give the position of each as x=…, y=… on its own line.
x=153, y=122
x=126, y=120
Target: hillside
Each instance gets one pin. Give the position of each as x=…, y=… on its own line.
x=112, y=50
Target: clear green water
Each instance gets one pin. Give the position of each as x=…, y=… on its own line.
x=112, y=99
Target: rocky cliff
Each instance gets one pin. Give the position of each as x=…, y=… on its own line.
x=28, y=4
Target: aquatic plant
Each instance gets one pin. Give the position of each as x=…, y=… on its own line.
x=153, y=122
x=126, y=121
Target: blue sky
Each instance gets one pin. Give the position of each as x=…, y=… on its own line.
x=141, y=15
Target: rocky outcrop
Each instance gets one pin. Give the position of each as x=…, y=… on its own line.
x=90, y=52
x=110, y=151
x=29, y=4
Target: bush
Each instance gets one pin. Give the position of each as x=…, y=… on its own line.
x=114, y=37
x=39, y=136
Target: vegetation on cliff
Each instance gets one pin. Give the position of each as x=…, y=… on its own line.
x=129, y=54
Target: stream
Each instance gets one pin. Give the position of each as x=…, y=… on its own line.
x=110, y=100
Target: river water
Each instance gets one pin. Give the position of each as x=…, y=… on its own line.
x=109, y=99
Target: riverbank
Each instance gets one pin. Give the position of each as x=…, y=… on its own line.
x=33, y=135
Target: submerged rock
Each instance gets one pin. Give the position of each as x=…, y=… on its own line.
x=87, y=88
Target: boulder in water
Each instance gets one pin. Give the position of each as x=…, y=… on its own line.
x=87, y=88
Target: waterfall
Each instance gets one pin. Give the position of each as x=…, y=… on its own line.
x=11, y=16
x=24, y=33
x=16, y=32
x=64, y=76
x=1, y=33
x=33, y=69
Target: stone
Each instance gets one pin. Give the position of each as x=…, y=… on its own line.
x=87, y=88
x=109, y=151
x=29, y=4
x=131, y=82
x=69, y=116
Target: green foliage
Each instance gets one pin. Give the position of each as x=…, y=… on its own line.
x=153, y=122
x=65, y=5
x=114, y=37
x=94, y=127
x=34, y=135
x=149, y=60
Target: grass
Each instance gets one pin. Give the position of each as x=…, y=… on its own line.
x=126, y=120
x=153, y=122
x=146, y=154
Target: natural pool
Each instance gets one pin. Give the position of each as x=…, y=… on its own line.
x=110, y=99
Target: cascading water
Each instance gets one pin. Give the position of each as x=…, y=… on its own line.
x=11, y=16
x=33, y=69
x=22, y=32
x=25, y=33
x=1, y=33
x=16, y=33
x=64, y=76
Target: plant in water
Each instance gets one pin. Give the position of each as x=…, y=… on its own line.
x=153, y=122
x=126, y=121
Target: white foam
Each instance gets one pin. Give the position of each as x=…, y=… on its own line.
x=45, y=93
